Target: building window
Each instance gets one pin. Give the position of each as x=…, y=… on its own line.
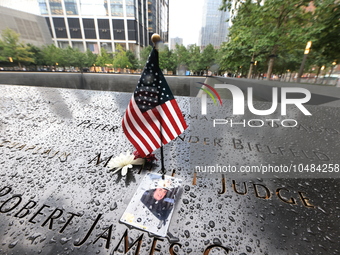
x=89, y=29
x=91, y=8
x=118, y=29
x=121, y=44
x=92, y=46
x=117, y=8
x=60, y=28
x=152, y=16
x=130, y=8
x=104, y=29
x=74, y=26
x=133, y=48
x=71, y=7
x=49, y=25
x=56, y=7
x=63, y=45
x=106, y=7
x=43, y=7
x=78, y=45
x=132, y=30
x=107, y=46
x=140, y=12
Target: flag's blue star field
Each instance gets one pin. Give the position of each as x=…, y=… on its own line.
x=152, y=88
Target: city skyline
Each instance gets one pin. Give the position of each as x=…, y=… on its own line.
x=185, y=18
x=214, y=29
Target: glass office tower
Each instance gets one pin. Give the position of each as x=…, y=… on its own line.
x=96, y=24
x=214, y=24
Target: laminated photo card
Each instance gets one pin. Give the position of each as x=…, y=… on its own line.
x=152, y=205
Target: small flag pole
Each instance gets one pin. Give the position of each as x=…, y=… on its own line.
x=155, y=38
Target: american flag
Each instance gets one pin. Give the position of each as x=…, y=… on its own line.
x=153, y=117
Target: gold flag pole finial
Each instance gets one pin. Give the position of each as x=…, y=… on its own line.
x=155, y=38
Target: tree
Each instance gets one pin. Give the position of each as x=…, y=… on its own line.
x=104, y=58
x=288, y=25
x=81, y=59
x=271, y=27
x=144, y=54
x=166, y=59
x=2, y=52
x=51, y=55
x=208, y=57
x=37, y=55
x=326, y=30
x=68, y=57
x=120, y=59
x=132, y=59
x=181, y=57
x=78, y=59
x=13, y=50
x=244, y=45
x=195, y=64
x=90, y=58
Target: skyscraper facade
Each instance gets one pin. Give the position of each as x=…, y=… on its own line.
x=32, y=28
x=89, y=24
x=174, y=41
x=214, y=24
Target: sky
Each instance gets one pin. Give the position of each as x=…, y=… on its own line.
x=185, y=18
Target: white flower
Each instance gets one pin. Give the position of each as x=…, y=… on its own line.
x=124, y=162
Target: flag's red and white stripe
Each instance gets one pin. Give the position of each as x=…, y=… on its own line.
x=150, y=130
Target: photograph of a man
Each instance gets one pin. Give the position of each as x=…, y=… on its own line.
x=160, y=201
x=152, y=205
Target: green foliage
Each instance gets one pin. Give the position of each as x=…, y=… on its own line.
x=37, y=55
x=326, y=31
x=194, y=63
x=208, y=58
x=274, y=31
x=81, y=59
x=2, y=52
x=181, y=55
x=120, y=59
x=51, y=55
x=90, y=58
x=132, y=59
x=104, y=58
x=12, y=49
x=68, y=57
x=166, y=59
x=144, y=54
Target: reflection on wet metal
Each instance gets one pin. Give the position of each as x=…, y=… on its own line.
x=58, y=197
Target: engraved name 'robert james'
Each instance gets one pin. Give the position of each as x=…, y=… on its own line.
x=49, y=217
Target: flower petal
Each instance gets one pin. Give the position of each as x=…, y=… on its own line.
x=125, y=169
x=138, y=161
x=124, y=161
x=116, y=170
